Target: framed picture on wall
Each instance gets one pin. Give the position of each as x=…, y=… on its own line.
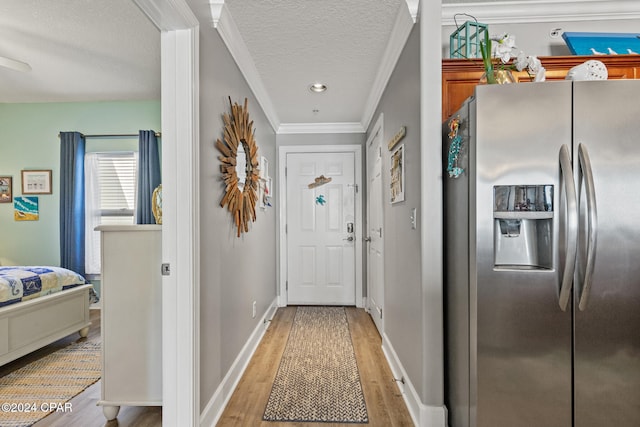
x=6, y=189
x=397, y=175
x=26, y=208
x=36, y=181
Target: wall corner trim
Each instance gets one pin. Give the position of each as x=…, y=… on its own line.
x=168, y=15
x=421, y=414
x=413, y=6
x=232, y=38
x=216, y=7
x=214, y=408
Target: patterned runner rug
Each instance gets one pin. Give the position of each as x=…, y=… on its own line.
x=318, y=379
x=46, y=385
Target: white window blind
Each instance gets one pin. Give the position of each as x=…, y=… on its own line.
x=110, y=195
x=117, y=180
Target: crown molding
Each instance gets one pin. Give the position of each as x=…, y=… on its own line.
x=413, y=6
x=228, y=30
x=168, y=15
x=510, y=12
x=399, y=35
x=216, y=7
x=298, y=128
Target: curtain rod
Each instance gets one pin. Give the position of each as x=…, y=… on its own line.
x=117, y=135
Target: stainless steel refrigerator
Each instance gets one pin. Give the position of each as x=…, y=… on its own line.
x=542, y=271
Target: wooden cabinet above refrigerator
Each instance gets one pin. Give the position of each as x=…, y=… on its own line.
x=460, y=76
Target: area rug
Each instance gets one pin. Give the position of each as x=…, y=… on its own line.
x=44, y=386
x=318, y=378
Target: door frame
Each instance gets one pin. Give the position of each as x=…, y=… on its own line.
x=282, y=214
x=377, y=129
x=179, y=44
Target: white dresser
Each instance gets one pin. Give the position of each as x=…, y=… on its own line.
x=131, y=319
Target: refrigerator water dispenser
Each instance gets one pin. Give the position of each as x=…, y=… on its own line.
x=523, y=219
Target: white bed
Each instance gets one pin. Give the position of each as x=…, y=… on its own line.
x=45, y=317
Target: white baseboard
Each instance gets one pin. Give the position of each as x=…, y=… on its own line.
x=214, y=408
x=421, y=414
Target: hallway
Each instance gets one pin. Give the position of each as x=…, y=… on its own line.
x=385, y=405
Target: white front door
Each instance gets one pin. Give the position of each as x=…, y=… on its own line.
x=321, y=228
x=375, y=258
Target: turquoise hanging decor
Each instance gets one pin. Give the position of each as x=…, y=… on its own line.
x=320, y=200
x=454, y=149
x=464, y=42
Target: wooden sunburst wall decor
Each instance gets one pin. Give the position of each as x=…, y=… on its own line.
x=240, y=167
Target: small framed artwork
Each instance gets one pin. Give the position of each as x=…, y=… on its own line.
x=6, y=189
x=397, y=175
x=26, y=209
x=36, y=181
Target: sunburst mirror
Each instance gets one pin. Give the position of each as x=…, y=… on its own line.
x=240, y=170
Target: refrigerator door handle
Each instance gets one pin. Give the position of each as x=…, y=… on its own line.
x=592, y=223
x=571, y=227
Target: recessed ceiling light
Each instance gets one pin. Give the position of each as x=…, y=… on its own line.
x=318, y=87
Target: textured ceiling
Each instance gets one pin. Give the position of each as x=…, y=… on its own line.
x=88, y=50
x=296, y=43
x=79, y=50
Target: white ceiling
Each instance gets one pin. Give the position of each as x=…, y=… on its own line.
x=99, y=50
x=79, y=50
x=296, y=43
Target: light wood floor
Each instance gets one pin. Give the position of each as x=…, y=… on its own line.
x=385, y=405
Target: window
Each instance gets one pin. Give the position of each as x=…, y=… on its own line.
x=110, y=195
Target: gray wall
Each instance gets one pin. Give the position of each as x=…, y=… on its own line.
x=400, y=105
x=234, y=271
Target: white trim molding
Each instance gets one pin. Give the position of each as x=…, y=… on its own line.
x=216, y=7
x=214, y=408
x=180, y=237
x=413, y=6
x=533, y=11
x=296, y=128
x=431, y=384
x=421, y=414
x=228, y=30
x=399, y=35
x=168, y=15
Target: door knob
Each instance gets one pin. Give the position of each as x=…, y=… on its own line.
x=349, y=239
x=367, y=239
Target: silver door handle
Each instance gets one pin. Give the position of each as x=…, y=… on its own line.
x=367, y=239
x=349, y=239
x=572, y=227
x=592, y=223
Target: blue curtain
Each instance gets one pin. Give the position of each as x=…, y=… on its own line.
x=148, y=175
x=72, y=149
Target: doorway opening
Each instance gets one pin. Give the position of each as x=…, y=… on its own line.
x=320, y=225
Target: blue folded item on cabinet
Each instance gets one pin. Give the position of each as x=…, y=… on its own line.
x=582, y=43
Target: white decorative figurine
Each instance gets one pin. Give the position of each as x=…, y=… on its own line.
x=589, y=70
